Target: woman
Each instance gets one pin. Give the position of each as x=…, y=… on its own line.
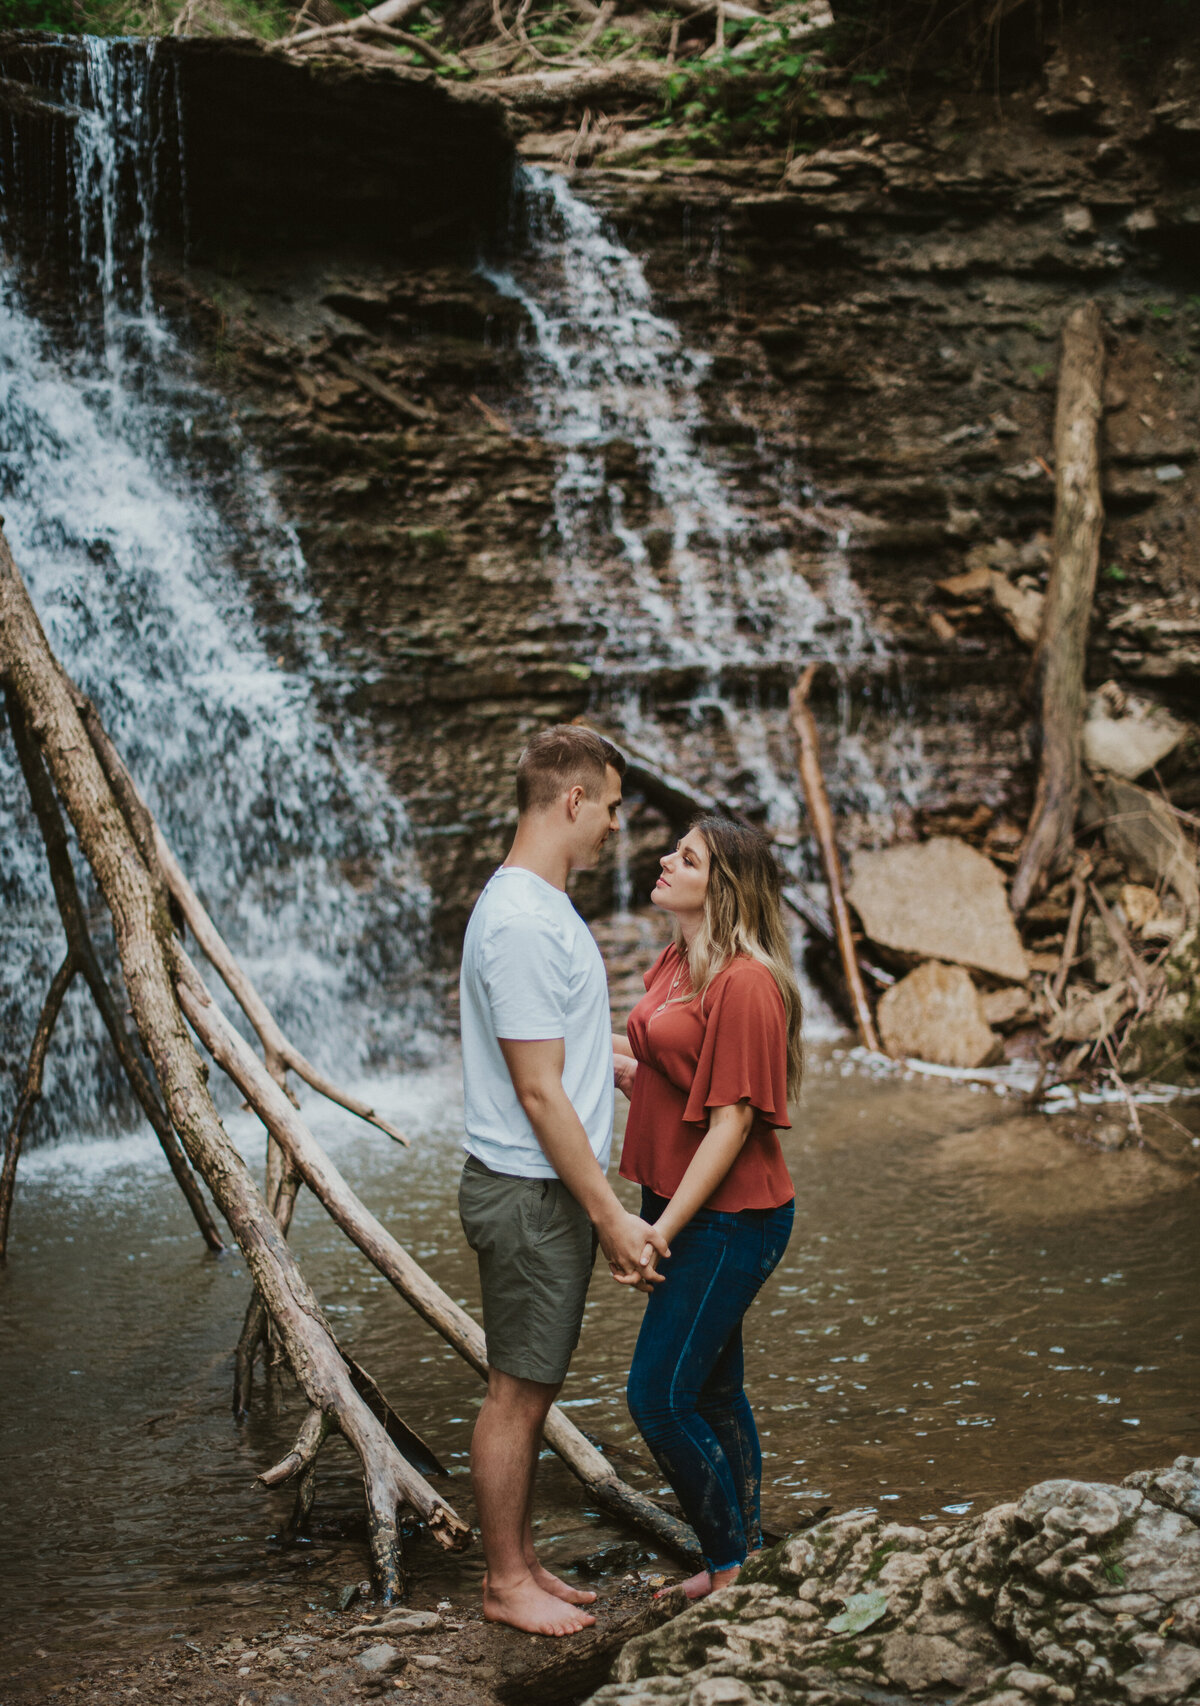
x=713, y=1052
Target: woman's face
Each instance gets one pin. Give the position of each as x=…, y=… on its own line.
x=684, y=881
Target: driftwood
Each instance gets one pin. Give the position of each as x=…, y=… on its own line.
x=821, y=818
x=391, y=12
x=148, y=952
x=1061, y=654
x=586, y=1663
x=83, y=957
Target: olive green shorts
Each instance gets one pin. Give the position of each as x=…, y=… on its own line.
x=536, y=1248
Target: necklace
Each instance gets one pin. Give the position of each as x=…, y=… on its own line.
x=670, y=996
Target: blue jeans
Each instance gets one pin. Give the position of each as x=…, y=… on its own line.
x=686, y=1390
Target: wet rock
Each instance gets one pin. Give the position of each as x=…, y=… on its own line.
x=939, y=899
x=1079, y=1593
x=379, y=1659
x=402, y=1623
x=934, y=1014
x=1005, y=1009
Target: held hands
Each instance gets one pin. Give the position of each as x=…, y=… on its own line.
x=633, y=1248
x=624, y=1072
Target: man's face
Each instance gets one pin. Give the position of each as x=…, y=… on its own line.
x=595, y=821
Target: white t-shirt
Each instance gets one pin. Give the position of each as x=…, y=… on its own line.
x=531, y=970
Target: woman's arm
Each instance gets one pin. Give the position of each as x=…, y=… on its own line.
x=624, y=1065
x=722, y=1143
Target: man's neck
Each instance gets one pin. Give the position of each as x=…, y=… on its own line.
x=534, y=850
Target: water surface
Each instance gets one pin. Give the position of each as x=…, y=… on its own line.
x=971, y=1302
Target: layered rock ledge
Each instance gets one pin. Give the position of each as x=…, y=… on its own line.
x=1076, y=1593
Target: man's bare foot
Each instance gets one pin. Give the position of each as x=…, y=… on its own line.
x=551, y=1583
x=701, y=1585
x=527, y=1606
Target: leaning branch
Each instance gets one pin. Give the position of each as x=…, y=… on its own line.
x=280, y=1053
x=31, y=1088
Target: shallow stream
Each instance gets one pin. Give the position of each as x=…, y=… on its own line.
x=971, y=1302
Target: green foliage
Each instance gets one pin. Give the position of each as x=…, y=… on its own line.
x=264, y=18
x=760, y=94
x=1114, y=572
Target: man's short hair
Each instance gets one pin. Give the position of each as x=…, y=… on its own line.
x=559, y=758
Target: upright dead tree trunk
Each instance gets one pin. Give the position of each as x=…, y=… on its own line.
x=1061, y=655
x=146, y=943
x=813, y=782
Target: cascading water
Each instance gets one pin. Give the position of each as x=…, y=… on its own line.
x=695, y=584
x=141, y=552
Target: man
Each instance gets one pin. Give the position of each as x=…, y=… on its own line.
x=534, y=1199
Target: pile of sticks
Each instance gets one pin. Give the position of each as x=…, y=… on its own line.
x=70, y=765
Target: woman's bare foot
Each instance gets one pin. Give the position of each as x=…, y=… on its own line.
x=701, y=1585
x=696, y=1587
x=527, y=1606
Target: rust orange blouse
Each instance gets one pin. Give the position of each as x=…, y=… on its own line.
x=696, y=1055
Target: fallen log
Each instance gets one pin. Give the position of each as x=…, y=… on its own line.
x=821, y=818
x=146, y=949
x=1061, y=656
x=79, y=943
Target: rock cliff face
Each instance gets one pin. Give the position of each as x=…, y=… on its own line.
x=881, y=325
x=1077, y=1592
x=880, y=320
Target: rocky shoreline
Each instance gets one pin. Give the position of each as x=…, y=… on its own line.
x=1075, y=1593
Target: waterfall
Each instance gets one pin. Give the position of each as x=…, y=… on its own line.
x=695, y=585
x=143, y=566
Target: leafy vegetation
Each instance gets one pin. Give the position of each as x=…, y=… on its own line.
x=758, y=89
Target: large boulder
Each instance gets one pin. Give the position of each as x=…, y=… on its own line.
x=1077, y=1593
x=940, y=900
x=935, y=1014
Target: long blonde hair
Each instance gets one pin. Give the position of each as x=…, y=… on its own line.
x=742, y=915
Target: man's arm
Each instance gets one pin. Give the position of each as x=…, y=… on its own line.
x=536, y=1071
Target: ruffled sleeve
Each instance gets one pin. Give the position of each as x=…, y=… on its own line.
x=744, y=1053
